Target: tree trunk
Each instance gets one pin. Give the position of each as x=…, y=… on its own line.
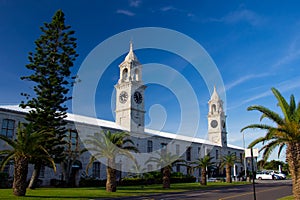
x=203, y=176
x=293, y=159
x=111, y=182
x=66, y=166
x=166, y=177
x=35, y=175
x=20, y=175
x=228, y=174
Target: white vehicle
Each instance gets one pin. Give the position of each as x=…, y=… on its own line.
x=264, y=176
x=281, y=175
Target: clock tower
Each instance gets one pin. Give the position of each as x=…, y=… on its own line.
x=216, y=120
x=130, y=101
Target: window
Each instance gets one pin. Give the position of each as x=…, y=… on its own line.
x=228, y=152
x=96, y=169
x=188, y=153
x=42, y=172
x=189, y=170
x=163, y=145
x=213, y=108
x=73, y=140
x=177, y=167
x=217, y=154
x=177, y=149
x=8, y=126
x=241, y=157
x=136, y=75
x=149, y=146
x=199, y=150
x=163, y=148
x=149, y=167
x=125, y=74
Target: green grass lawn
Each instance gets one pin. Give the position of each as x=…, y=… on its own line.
x=287, y=198
x=99, y=192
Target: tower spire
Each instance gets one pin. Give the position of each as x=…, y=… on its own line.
x=215, y=95
x=131, y=56
x=131, y=46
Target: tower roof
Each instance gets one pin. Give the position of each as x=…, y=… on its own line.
x=131, y=56
x=215, y=95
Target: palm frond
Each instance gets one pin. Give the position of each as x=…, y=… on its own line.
x=206, y=161
x=282, y=103
x=110, y=145
x=6, y=159
x=267, y=113
x=257, y=126
x=228, y=160
x=280, y=149
x=90, y=163
x=268, y=149
x=9, y=141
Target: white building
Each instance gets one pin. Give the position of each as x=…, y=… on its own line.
x=130, y=116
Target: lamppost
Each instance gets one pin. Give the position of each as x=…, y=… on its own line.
x=245, y=166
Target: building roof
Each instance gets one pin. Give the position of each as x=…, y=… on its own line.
x=112, y=125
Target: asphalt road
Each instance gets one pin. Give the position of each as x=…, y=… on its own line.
x=265, y=190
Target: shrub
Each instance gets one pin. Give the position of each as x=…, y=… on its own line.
x=91, y=182
x=156, y=178
x=57, y=183
x=4, y=183
x=187, y=179
x=132, y=181
x=177, y=175
x=5, y=180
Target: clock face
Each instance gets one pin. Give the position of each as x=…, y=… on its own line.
x=123, y=97
x=138, y=98
x=214, y=123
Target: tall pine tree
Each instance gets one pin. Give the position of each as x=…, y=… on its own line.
x=50, y=65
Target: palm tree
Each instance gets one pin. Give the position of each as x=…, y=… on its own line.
x=26, y=146
x=228, y=161
x=283, y=132
x=110, y=145
x=165, y=160
x=138, y=170
x=203, y=163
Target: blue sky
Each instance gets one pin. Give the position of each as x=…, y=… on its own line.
x=255, y=45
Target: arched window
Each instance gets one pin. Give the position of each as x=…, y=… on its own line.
x=96, y=169
x=149, y=168
x=213, y=108
x=136, y=75
x=125, y=74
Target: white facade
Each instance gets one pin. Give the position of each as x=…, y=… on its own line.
x=130, y=117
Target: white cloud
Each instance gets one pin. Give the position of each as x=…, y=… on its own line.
x=292, y=54
x=135, y=3
x=174, y=9
x=285, y=86
x=258, y=96
x=282, y=87
x=125, y=12
x=244, y=15
x=168, y=8
x=244, y=79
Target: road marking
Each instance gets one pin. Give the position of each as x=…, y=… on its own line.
x=247, y=193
